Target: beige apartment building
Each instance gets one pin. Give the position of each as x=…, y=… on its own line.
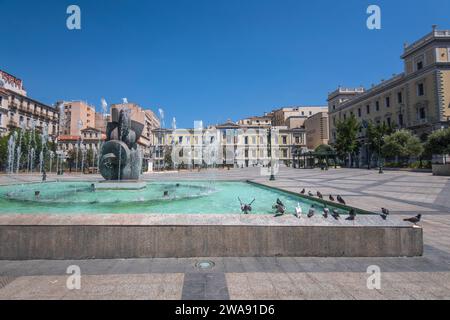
x=317, y=130
x=17, y=110
x=78, y=115
x=294, y=117
x=258, y=121
x=418, y=99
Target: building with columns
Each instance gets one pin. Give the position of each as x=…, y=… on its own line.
x=417, y=99
x=228, y=144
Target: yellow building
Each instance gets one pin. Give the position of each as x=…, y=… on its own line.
x=227, y=144
x=417, y=99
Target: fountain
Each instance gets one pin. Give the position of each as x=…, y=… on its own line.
x=120, y=159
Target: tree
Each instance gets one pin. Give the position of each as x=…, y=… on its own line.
x=438, y=143
x=347, y=138
x=71, y=158
x=168, y=163
x=375, y=137
x=4, y=152
x=402, y=144
x=324, y=149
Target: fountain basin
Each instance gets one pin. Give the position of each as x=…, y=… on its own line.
x=120, y=185
x=214, y=235
x=186, y=219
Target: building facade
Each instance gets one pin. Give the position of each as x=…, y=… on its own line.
x=17, y=110
x=228, y=144
x=418, y=99
x=317, y=130
x=298, y=115
x=78, y=115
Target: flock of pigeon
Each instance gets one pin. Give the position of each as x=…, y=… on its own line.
x=280, y=209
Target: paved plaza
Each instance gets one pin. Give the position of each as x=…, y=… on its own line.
x=404, y=193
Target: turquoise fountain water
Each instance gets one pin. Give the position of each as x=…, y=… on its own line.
x=174, y=197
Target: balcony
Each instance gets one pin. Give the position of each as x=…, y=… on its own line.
x=12, y=124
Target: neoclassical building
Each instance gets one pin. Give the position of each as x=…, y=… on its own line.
x=227, y=144
x=17, y=110
x=417, y=99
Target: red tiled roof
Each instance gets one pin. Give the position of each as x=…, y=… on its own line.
x=63, y=137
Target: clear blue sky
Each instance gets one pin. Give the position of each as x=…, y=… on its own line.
x=207, y=59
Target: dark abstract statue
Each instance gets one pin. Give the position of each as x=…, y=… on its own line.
x=120, y=155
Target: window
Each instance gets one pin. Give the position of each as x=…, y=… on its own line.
x=419, y=65
x=377, y=105
x=400, y=120
x=368, y=109
x=388, y=102
x=345, y=116
x=334, y=106
x=246, y=140
x=422, y=114
x=297, y=139
x=180, y=139
x=1, y=99
x=399, y=97
x=310, y=113
x=359, y=112
x=420, y=90
x=388, y=120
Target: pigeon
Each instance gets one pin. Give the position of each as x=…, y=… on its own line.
x=340, y=200
x=384, y=213
x=331, y=198
x=310, y=194
x=326, y=211
x=280, y=208
x=319, y=195
x=414, y=220
x=335, y=214
x=311, y=212
x=351, y=215
x=246, y=208
x=298, y=211
x=303, y=191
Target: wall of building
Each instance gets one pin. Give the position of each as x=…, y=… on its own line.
x=76, y=112
x=316, y=128
x=416, y=99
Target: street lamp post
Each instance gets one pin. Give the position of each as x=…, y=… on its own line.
x=380, y=163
